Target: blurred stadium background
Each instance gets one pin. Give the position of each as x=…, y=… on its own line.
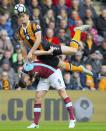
x=58, y=18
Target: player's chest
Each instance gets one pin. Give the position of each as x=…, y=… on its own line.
x=26, y=33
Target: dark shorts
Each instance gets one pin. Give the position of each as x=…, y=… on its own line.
x=57, y=48
x=50, y=60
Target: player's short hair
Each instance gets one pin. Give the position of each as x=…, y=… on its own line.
x=31, y=75
x=20, y=84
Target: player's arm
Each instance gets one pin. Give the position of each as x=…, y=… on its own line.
x=37, y=42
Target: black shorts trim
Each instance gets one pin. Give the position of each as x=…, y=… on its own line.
x=57, y=50
x=46, y=46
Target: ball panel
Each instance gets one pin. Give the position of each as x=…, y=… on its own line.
x=19, y=8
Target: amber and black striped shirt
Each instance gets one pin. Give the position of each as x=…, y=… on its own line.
x=28, y=34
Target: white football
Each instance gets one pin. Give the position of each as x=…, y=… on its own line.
x=19, y=8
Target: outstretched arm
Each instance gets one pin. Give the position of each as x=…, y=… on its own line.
x=36, y=44
x=38, y=35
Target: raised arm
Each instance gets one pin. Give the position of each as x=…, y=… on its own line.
x=37, y=42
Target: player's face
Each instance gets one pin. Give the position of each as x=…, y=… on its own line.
x=27, y=80
x=23, y=18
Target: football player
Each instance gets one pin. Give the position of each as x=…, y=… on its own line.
x=30, y=33
x=49, y=76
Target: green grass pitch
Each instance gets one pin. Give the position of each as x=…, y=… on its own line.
x=52, y=126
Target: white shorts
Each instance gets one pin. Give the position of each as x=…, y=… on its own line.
x=55, y=80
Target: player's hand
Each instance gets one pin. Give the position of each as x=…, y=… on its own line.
x=32, y=58
x=50, y=51
x=29, y=57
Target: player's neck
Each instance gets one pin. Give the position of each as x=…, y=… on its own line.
x=25, y=25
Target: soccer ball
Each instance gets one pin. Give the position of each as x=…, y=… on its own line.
x=83, y=109
x=19, y=8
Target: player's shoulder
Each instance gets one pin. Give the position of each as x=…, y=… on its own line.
x=35, y=25
x=33, y=22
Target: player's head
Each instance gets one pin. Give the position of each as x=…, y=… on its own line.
x=27, y=78
x=21, y=11
x=23, y=18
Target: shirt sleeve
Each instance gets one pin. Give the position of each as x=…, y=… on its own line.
x=36, y=27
